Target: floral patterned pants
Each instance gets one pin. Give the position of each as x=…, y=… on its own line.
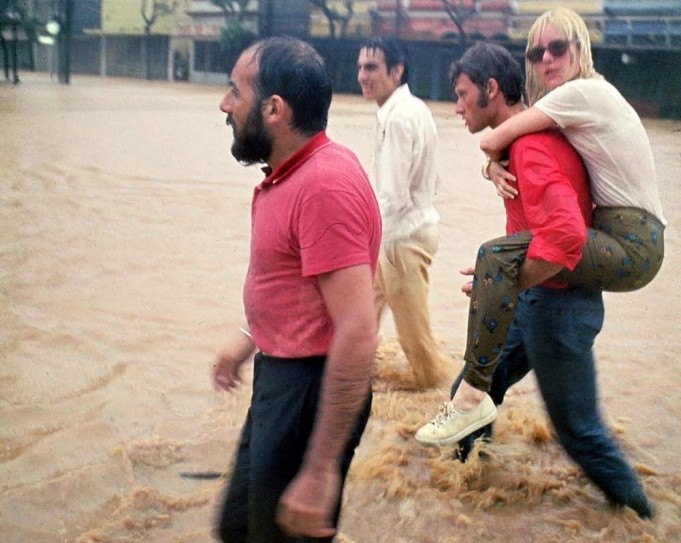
x=623, y=252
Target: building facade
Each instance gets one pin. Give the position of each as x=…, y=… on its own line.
x=642, y=23
x=435, y=19
x=637, y=43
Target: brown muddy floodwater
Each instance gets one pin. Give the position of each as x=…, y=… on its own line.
x=123, y=245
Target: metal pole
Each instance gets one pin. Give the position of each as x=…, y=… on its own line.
x=398, y=18
x=15, y=57
x=64, y=42
x=266, y=19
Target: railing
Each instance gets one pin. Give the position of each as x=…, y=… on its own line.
x=643, y=31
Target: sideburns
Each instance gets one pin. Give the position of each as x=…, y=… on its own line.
x=483, y=97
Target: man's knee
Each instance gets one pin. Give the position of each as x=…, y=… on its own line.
x=582, y=439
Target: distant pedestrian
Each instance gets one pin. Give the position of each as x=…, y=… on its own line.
x=405, y=179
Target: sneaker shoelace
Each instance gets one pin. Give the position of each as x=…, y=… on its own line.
x=443, y=416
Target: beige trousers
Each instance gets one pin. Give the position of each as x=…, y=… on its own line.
x=402, y=285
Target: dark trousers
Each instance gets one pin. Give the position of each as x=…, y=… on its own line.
x=553, y=334
x=274, y=439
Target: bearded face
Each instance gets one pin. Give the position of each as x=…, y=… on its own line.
x=252, y=141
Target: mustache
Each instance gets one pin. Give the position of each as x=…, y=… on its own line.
x=229, y=121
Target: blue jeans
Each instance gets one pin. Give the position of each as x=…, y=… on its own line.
x=553, y=334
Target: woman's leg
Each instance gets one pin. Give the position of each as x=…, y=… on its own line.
x=492, y=305
x=623, y=252
x=493, y=302
x=512, y=368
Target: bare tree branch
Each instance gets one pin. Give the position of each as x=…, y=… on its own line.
x=333, y=16
x=232, y=9
x=158, y=7
x=459, y=11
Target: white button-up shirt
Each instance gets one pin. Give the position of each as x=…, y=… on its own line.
x=404, y=172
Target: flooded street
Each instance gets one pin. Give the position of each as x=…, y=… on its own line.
x=124, y=239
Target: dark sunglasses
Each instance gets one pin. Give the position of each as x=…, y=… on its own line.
x=557, y=48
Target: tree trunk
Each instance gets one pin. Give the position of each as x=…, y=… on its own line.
x=15, y=57
x=64, y=43
x=5, y=55
x=145, y=55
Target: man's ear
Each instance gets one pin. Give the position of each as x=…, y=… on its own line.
x=492, y=87
x=396, y=73
x=275, y=109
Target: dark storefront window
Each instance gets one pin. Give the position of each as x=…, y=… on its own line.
x=209, y=57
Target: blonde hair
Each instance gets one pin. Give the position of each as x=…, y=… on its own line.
x=573, y=27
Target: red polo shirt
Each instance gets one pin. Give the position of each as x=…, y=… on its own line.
x=554, y=200
x=314, y=214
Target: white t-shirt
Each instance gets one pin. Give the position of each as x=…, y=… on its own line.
x=404, y=171
x=609, y=136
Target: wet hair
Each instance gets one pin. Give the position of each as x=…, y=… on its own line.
x=393, y=51
x=485, y=61
x=573, y=28
x=294, y=70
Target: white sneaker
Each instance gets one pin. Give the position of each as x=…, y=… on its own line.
x=451, y=426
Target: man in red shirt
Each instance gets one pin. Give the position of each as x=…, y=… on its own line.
x=554, y=326
x=308, y=299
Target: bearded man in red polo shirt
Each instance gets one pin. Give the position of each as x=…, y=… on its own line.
x=308, y=298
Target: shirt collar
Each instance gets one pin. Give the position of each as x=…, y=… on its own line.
x=320, y=139
x=397, y=95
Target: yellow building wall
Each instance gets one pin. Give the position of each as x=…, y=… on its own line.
x=125, y=17
x=360, y=24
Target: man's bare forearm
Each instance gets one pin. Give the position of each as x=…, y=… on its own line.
x=533, y=272
x=347, y=379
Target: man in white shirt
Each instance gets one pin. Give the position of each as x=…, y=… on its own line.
x=404, y=177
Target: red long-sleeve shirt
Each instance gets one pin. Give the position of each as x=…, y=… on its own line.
x=554, y=200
